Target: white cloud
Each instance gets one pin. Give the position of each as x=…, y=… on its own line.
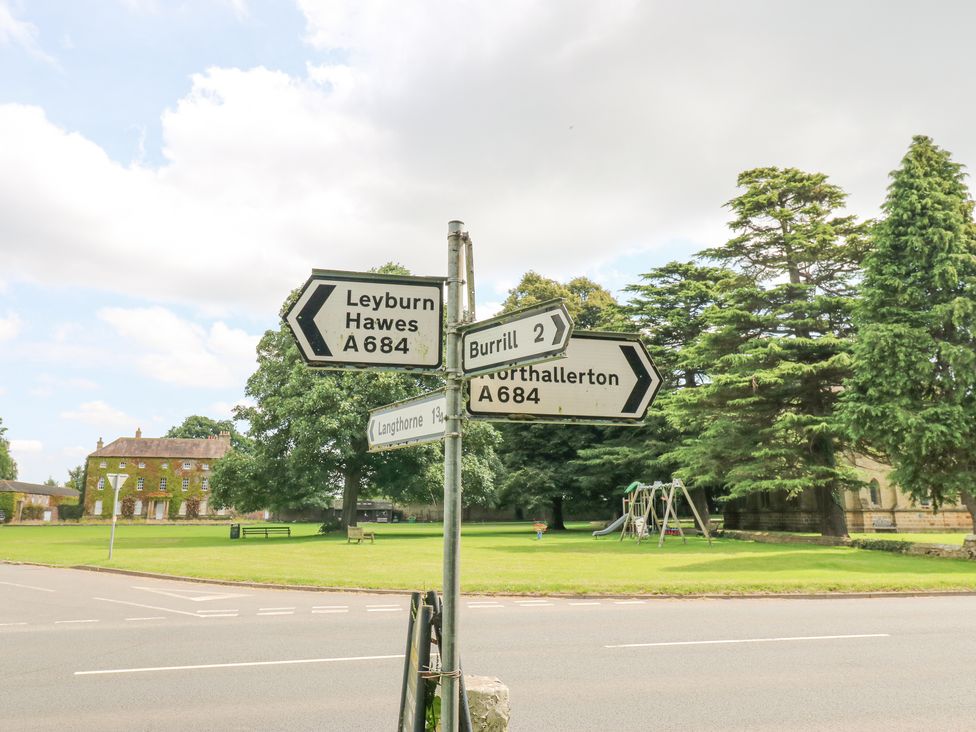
x=26, y=447
x=99, y=414
x=10, y=326
x=177, y=351
x=76, y=451
x=225, y=410
x=565, y=133
x=21, y=33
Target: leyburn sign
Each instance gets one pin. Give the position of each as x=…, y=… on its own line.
x=531, y=335
x=605, y=377
x=357, y=320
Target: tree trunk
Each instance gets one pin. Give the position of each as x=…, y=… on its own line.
x=700, y=500
x=350, y=497
x=833, y=521
x=969, y=501
x=557, y=523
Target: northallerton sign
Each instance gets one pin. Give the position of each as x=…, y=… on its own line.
x=364, y=320
x=605, y=378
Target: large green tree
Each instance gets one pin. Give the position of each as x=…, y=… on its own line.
x=776, y=347
x=540, y=473
x=199, y=427
x=668, y=306
x=308, y=428
x=8, y=466
x=913, y=390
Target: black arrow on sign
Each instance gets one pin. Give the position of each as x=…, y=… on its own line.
x=557, y=319
x=644, y=379
x=307, y=324
x=371, y=438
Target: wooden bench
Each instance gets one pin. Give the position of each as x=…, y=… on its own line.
x=882, y=524
x=358, y=533
x=266, y=530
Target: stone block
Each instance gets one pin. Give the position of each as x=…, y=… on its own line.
x=489, y=703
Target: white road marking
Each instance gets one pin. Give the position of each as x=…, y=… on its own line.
x=58, y=622
x=155, y=617
x=750, y=640
x=150, y=607
x=585, y=602
x=28, y=587
x=396, y=606
x=382, y=609
x=192, y=595
x=278, y=612
x=485, y=604
x=235, y=665
x=331, y=610
x=219, y=615
x=6, y=624
x=269, y=609
x=330, y=607
x=225, y=610
x=628, y=602
x=532, y=603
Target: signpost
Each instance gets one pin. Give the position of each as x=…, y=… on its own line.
x=410, y=422
x=118, y=480
x=605, y=378
x=534, y=334
x=353, y=320
x=361, y=320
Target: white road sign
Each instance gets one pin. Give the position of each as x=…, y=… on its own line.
x=408, y=422
x=530, y=335
x=605, y=377
x=358, y=319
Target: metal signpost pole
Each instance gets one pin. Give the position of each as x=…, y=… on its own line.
x=452, y=485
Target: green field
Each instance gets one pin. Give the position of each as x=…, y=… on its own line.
x=499, y=558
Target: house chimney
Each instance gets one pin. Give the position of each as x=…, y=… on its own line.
x=138, y=433
x=100, y=444
x=224, y=437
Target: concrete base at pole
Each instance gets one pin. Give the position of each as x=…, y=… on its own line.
x=489, y=703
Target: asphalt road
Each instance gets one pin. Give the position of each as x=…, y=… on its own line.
x=89, y=651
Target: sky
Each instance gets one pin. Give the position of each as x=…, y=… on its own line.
x=171, y=169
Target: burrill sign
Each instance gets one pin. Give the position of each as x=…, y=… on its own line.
x=356, y=320
x=531, y=335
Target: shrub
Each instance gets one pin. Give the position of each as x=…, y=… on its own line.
x=128, y=507
x=7, y=506
x=192, y=508
x=882, y=545
x=31, y=512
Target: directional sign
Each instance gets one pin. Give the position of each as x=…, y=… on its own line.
x=535, y=334
x=605, y=377
x=359, y=320
x=408, y=422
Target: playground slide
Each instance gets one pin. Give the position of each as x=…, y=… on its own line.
x=611, y=528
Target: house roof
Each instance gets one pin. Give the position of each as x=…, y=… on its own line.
x=15, y=486
x=165, y=447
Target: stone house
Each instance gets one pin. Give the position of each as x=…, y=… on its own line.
x=21, y=501
x=169, y=478
x=881, y=506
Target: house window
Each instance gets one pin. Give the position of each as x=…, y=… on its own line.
x=162, y=484
x=103, y=464
x=142, y=464
x=137, y=510
x=182, y=508
x=140, y=483
x=186, y=484
x=874, y=490
x=205, y=466
x=206, y=484
x=165, y=466
x=203, y=508
x=101, y=485
x=186, y=466
x=98, y=508
x=121, y=464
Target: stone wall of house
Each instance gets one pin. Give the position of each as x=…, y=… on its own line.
x=152, y=473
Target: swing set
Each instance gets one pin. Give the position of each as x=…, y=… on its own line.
x=641, y=518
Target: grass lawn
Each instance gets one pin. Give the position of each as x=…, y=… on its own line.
x=495, y=558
